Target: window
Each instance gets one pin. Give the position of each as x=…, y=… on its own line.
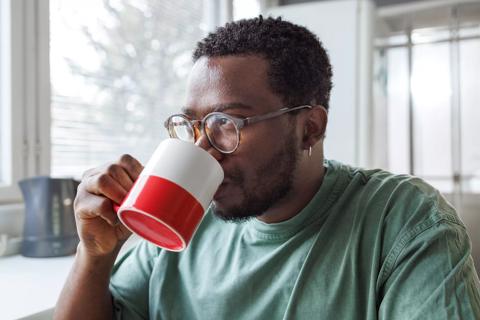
x=429, y=97
x=25, y=99
x=470, y=113
x=118, y=69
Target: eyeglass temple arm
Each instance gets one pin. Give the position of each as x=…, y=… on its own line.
x=273, y=114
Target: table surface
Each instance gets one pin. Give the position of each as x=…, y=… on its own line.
x=30, y=285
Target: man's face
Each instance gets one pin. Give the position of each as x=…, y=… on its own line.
x=260, y=173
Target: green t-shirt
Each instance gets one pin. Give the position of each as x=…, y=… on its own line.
x=369, y=245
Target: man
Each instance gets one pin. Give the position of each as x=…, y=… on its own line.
x=310, y=238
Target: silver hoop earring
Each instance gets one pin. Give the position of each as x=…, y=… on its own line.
x=310, y=151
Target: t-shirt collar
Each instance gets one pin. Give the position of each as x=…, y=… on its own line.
x=316, y=209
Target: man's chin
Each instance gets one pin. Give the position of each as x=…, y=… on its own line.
x=229, y=213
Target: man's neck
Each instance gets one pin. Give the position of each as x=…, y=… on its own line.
x=305, y=188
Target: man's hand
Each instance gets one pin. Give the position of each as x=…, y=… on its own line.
x=101, y=236
x=98, y=227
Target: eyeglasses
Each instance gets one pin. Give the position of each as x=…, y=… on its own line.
x=222, y=130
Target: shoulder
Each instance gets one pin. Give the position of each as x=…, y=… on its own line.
x=410, y=198
x=400, y=206
x=400, y=195
x=415, y=219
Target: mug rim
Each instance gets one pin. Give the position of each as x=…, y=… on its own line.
x=132, y=208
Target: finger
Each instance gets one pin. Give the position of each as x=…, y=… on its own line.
x=132, y=166
x=104, y=185
x=97, y=170
x=118, y=173
x=94, y=206
x=115, y=170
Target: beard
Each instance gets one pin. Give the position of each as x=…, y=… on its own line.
x=272, y=181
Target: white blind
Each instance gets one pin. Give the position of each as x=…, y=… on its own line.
x=118, y=70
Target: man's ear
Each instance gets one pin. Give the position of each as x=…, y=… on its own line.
x=315, y=126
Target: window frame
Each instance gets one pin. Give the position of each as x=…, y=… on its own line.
x=26, y=95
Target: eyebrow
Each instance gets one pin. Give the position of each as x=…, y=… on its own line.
x=220, y=108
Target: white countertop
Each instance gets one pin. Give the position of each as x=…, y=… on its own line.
x=30, y=285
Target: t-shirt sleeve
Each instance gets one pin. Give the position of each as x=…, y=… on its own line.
x=429, y=274
x=129, y=282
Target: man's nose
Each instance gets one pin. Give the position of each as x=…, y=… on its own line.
x=205, y=144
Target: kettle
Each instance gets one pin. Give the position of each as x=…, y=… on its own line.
x=49, y=227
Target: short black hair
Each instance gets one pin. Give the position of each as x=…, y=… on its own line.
x=299, y=67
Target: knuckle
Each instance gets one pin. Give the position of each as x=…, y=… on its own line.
x=79, y=189
x=112, y=169
x=131, y=165
x=76, y=204
x=103, y=181
x=78, y=207
x=126, y=159
x=78, y=197
x=80, y=203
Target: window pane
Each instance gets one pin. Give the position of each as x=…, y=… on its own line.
x=118, y=70
x=470, y=114
x=244, y=9
x=397, y=111
x=432, y=127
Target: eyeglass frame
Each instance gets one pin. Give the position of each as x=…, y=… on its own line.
x=239, y=123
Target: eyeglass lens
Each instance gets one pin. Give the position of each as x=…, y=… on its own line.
x=221, y=131
x=180, y=128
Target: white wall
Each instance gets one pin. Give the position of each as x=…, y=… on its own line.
x=345, y=29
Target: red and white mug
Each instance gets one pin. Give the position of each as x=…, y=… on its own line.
x=169, y=198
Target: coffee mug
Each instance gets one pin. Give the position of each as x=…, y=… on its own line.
x=172, y=193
